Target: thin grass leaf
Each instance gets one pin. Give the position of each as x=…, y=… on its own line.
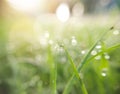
x=83, y=88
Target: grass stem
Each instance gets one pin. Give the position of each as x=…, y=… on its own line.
x=53, y=71
x=83, y=88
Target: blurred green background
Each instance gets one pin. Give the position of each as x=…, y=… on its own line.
x=29, y=27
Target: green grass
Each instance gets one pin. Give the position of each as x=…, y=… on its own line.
x=82, y=63
x=48, y=68
x=53, y=71
x=76, y=73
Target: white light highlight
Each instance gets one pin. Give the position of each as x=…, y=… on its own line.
x=93, y=52
x=25, y=5
x=98, y=46
x=83, y=52
x=74, y=41
x=103, y=74
x=116, y=32
x=63, y=12
x=107, y=57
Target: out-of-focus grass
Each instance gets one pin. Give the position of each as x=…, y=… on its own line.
x=53, y=71
x=33, y=61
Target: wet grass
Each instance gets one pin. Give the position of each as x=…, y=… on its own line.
x=87, y=63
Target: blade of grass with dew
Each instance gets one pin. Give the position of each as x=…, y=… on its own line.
x=102, y=69
x=100, y=53
x=53, y=71
x=83, y=88
x=91, y=58
x=68, y=86
x=106, y=50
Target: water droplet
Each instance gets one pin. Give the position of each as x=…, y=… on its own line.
x=83, y=52
x=93, y=52
x=74, y=41
x=59, y=49
x=98, y=47
x=116, y=32
x=98, y=57
x=104, y=72
x=107, y=56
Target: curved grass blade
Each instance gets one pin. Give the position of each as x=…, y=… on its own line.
x=68, y=86
x=83, y=88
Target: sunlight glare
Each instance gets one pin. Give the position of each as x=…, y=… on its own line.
x=25, y=5
x=63, y=12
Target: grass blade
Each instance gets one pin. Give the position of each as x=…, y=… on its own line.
x=53, y=71
x=83, y=88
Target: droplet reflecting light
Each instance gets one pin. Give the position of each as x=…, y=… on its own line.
x=98, y=46
x=116, y=32
x=107, y=56
x=104, y=72
x=82, y=52
x=93, y=52
x=74, y=41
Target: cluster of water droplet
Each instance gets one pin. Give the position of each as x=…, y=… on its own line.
x=45, y=39
x=97, y=50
